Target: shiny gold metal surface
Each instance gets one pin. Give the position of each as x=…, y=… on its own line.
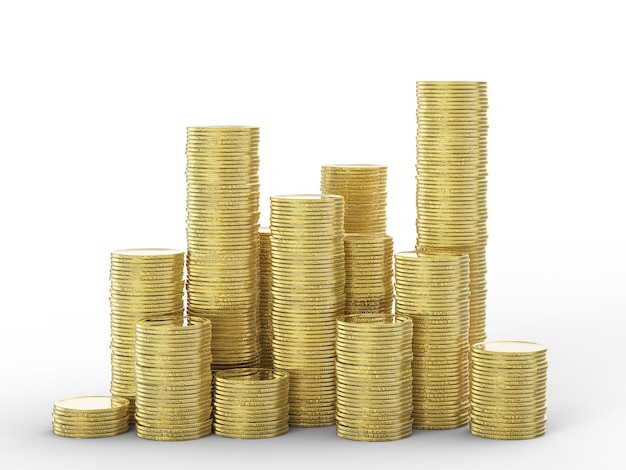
x=508, y=389
x=223, y=240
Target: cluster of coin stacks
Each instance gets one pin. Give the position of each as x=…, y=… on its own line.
x=308, y=294
x=251, y=403
x=452, y=180
x=174, y=388
x=369, y=273
x=222, y=239
x=508, y=389
x=364, y=189
x=90, y=417
x=145, y=282
x=433, y=289
x=374, y=379
x=265, y=307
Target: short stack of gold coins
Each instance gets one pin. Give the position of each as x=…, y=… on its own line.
x=374, y=379
x=265, y=296
x=251, y=403
x=174, y=381
x=508, y=389
x=433, y=289
x=452, y=180
x=369, y=273
x=308, y=294
x=222, y=239
x=145, y=282
x=90, y=417
x=364, y=189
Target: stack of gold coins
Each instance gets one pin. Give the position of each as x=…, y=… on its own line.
x=251, y=403
x=173, y=369
x=265, y=296
x=308, y=294
x=145, y=282
x=374, y=377
x=433, y=289
x=90, y=417
x=364, y=189
x=222, y=239
x=508, y=389
x=369, y=273
x=452, y=180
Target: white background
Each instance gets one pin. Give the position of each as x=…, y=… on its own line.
x=94, y=101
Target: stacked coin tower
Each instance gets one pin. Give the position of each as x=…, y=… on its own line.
x=308, y=282
x=173, y=369
x=374, y=378
x=222, y=239
x=369, y=273
x=452, y=180
x=433, y=289
x=90, y=417
x=364, y=189
x=251, y=403
x=145, y=282
x=265, y=296
x=508, y=390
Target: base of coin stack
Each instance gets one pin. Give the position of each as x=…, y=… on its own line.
x=251, y=403
x=90, y=417
x=508, y=390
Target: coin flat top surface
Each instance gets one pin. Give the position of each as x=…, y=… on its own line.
x=148, y=252
x=90, y=403
x=511, y=346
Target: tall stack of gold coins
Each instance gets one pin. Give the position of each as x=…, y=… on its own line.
x=452, y=180
x=265, y=296
x=173, y=369
x=374, y=378
x=145, y=282
x=251, y=403
x=90, y=417
x=364, y=189
x=308, y=294
x=433, y=289
x=222, y=239
x=369, y=273
x=508, y=390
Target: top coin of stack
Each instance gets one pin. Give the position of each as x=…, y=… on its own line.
x=364, y=189
x=508, y=389
x=223, y=240
x=145, y=282
x=90, y=417
x=452, y=179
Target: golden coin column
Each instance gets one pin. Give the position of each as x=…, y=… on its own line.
x=369, y=273
x=374, y=378
x=222, y=239
x=433, y=289
x=452, y=180
x=251, y=403
x=508, y=390
x=173, y=369
x=308, y=282
x=265, y=306
x=364, y=189
x=145, y=282
x=90, y=417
